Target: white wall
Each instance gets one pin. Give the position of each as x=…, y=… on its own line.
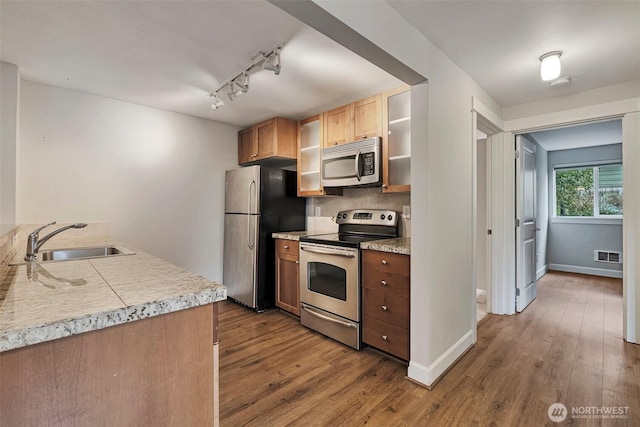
x=157, y=176
x=9, y=137
x=442, y=324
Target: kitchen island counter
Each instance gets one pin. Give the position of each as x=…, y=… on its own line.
x=119, y=340
x=40, y=302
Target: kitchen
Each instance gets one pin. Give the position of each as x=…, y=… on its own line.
x=59, y=118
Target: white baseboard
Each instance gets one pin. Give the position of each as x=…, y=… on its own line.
x=542, y=271
x=586, y=270
x=428, y=375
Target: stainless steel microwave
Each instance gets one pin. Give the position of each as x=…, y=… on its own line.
x=352, y=164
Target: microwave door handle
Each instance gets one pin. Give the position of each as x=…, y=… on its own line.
x=358, y=165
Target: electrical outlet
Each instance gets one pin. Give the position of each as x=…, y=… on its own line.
x=406, y=211
x=318, y=211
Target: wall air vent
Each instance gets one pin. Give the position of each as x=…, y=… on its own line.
x=608, y=256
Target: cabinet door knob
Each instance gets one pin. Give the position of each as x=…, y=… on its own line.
x=384, y=262
x=297, y=262
x=385, y=308
x=286, y=246
x=364, y=136
x=335, y=142
x=385, y=338
x=383, y=283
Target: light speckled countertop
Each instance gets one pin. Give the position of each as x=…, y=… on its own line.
x=295, y=235
x=398, y=245
x=45, y=301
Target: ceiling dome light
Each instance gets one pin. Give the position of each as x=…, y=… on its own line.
x=550, y=66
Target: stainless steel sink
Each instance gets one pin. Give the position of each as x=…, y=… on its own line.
x=69, y=254
x=81, y=253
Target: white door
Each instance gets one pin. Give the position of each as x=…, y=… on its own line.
x=525, y=223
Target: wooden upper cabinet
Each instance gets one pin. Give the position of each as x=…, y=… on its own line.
x=367, y=118
x=337, y=126
x=358, y=120
x=247, y=147
x=265, y=138
x=272, y=140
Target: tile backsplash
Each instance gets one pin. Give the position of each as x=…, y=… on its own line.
x=355, y=198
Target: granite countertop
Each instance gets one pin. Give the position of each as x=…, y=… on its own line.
x=45, y=301
x=295, y=235
x=398, y=245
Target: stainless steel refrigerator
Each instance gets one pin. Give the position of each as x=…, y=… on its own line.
x=258, y=202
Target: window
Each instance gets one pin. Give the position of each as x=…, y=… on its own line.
x=592, y=191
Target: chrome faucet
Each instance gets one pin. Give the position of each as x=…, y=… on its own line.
x=33, y=243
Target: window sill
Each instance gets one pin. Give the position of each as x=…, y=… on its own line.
x=586, y=220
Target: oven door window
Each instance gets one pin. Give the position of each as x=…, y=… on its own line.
x=327, y=279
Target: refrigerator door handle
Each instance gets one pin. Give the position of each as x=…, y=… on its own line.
x=250, y=239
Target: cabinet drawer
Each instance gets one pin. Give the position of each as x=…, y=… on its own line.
x=386, y=308
x=387, y=262
x=289, y=247
x=386, y=337
x=382, y=281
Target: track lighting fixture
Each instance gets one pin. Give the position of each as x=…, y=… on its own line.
x=239, y=84
x=216, y=103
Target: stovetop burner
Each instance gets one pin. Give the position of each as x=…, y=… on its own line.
x=356, y=226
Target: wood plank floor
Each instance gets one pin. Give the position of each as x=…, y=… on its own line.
x=565, y=347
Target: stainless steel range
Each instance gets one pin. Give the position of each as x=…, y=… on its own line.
x=330, y=273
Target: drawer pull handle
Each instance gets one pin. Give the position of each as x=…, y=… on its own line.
x=384, y=262
x=286, y=246
x=385, y=308
x=385, y=338
x=383, y=283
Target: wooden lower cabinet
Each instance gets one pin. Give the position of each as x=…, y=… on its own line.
x=162, y=370
x=288, y=276
x=385, y=302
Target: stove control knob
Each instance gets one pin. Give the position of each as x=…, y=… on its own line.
x=390, y=217
x=381, y=216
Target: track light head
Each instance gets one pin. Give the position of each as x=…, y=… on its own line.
x=272, y=62
x=238, y=86
x=216, y=103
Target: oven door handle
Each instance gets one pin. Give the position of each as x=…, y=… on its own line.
x=358, y=165
x=327, y=252
x=328, y=319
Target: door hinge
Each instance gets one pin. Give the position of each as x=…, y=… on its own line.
x=517, y=292
x=517, y=154
x=517, y=222
x=489, y=232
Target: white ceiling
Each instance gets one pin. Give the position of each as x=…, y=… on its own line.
x=170, y=55
x=585, y=135
x=498, y=43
